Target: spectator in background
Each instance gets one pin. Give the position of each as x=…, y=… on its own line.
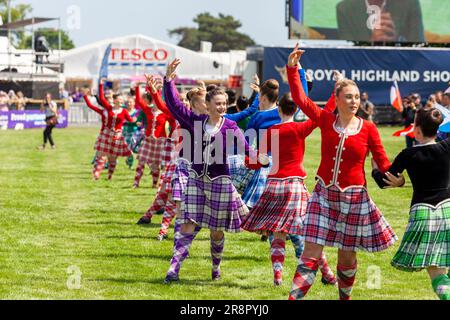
x=20, y=101
x=408, y=115
x=438, y=95
x=51, y=119
x=4, y=101
x=63, y=93
x=231, y=101
x=77, y=96
x=12, y=96
x=367, y=109
x=417, y=100
x=446, y=99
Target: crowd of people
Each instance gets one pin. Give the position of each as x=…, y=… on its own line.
x=218, y=164
x=12, y=101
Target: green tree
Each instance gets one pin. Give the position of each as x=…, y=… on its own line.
x=18, y=12
x=222, y=31
x=52, y=37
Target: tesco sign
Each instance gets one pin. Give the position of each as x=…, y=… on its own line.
x=150, y=55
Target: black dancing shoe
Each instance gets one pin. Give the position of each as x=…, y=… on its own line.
x=144, y=220
x=162, y=237
x=170, y=279
x=327, y=283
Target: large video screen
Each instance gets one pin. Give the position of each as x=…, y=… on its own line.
x=411, y=21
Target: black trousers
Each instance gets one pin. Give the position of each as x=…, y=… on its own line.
x=48, y=134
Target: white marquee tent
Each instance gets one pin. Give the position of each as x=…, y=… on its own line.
x=135, y=55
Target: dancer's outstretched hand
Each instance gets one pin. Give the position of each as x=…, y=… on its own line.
x=255, y=84
x=151, y=83
x=87, y=92
x=393, y=181
x=172, y=68
x=201, y=84
x=295, y=56
x=337, y=76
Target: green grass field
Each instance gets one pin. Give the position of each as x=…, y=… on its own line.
x=55, y=219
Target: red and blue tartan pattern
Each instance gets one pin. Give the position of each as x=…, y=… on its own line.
x=281, y=208
x=151, y=151
x=102, y=144
x=213, y=204
x=169, y=153
x=166, y=176
x=117, y=145
x=348, y=220
x=256, y=186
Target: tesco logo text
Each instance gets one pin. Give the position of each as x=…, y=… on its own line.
x=139, y=54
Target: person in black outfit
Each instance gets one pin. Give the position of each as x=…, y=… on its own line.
x=427, y=238
x=408, y=115
x=51, y=119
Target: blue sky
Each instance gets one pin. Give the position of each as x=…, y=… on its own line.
x=263, y=20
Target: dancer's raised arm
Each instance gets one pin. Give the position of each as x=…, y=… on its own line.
x=173, y=102
x=101, y=96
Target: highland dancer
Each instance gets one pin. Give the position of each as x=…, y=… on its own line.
x=131, y=130
x=282, y=207
x=151, y=150
x=103, y=134
x=210, y=200
x=163, y=200
x=340, y=213
x=112, y=143
x=426, y=243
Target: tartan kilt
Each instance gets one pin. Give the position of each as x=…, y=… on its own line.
x=102, y=144
x=166, y=176
x=281, y=208
x=240, y=174
x=426, y=242
x=117, y=145
x=256, y=186
x=213, y=204
x=348, y=220
x=179, y=179
x=151, y=151
x=169, y=153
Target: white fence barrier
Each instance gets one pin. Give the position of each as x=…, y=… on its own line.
x=81, y=115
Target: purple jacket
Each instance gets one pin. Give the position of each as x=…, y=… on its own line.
x=208, y=153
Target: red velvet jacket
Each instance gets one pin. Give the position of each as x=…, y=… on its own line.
x=115, y=121
x=343, y=155
x=156, y=121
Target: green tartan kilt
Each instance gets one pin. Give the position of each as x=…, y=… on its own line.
x=426, y=242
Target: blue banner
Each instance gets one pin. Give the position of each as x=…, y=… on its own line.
x=374, y=70
x=103, y=73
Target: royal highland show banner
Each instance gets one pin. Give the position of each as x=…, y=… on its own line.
x=416, y=70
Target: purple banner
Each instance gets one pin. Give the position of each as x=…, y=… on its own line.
x=19, y=120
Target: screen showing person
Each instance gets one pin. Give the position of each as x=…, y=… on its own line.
x=380, y=20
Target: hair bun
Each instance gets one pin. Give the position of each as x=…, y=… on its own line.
x=273, y=84
x=436, y=114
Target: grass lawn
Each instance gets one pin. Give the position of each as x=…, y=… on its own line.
x=55, y=221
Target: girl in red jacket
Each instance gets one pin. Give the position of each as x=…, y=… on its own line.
x=340, y=213
x=152, y=149
x=112, y=143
